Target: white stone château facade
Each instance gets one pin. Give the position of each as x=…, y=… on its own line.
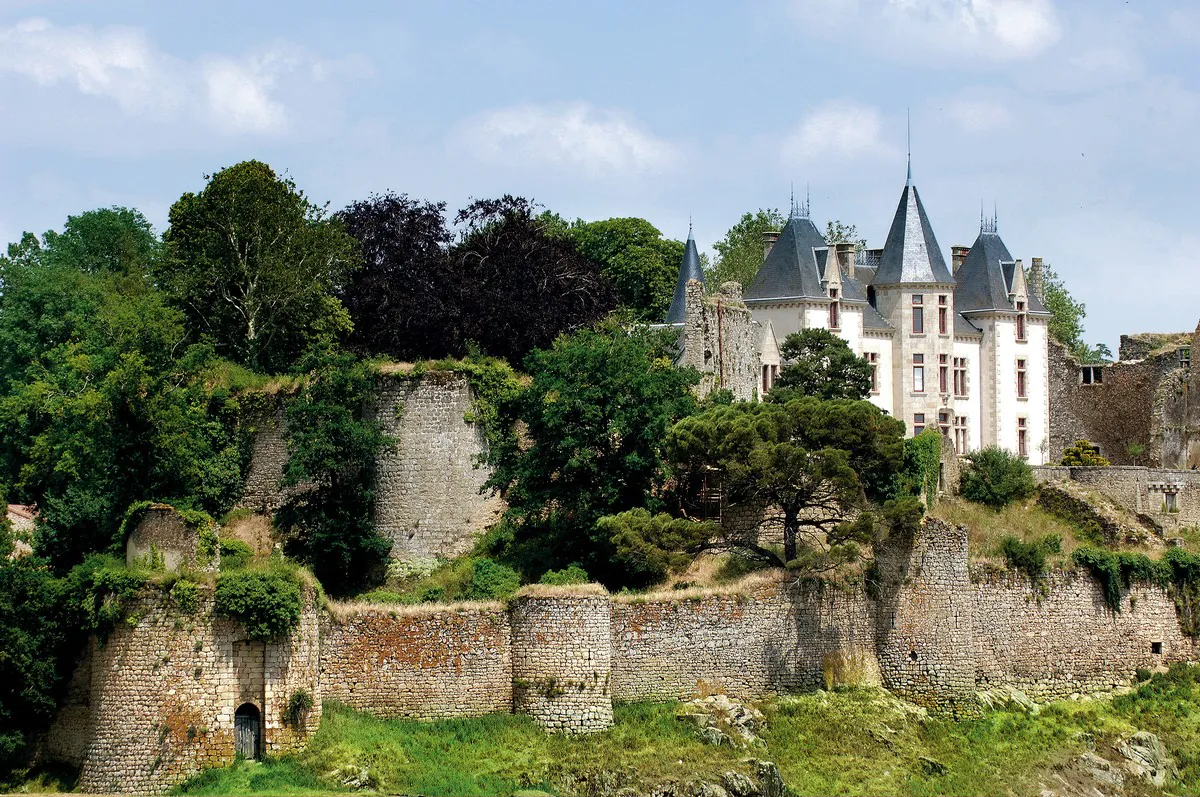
x=962, y=349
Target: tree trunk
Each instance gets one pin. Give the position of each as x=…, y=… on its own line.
x=791, y=528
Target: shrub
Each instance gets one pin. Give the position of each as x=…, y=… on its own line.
x=1084, y=454
x=265, y=602
x=922, y=466
x=1030, y=557
x=996, y=478
x=298, y=706
x=573, y=574
x=185, y=596
x=235, y=554
x=491, y=581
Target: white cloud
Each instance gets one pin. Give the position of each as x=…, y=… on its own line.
x=233, y=94
x=979, y=30
x=836, y=130
x=979, y=116
x=574, y=136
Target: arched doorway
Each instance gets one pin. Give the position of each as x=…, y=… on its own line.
x=247, y=732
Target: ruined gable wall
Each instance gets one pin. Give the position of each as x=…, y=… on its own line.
x=1060, y=639
x=776, y=637
x=420, y=662
x=164, y=689
x=720, y=340
x=1138, y=490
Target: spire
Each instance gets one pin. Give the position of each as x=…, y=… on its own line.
x=908, y=115
x=911, y=253
x=986, y=225
x=689, y=269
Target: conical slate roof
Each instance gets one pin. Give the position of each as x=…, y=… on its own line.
x=689, y=269
x=791, y=269
x=911, y=253
x=985, y=278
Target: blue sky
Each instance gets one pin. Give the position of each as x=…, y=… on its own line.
x=1078, y=119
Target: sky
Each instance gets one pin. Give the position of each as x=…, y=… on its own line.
x=1074, y=121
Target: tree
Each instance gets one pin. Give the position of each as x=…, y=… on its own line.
x=636, y=259
x=812, y=465
x=649, y=547
x=518, y=285
x=1066, y=319
x=333, y=446
x=254, y=265
x=599, y=404
x=836, y=232
x=994, y=477
x=398, y=300
x=740, y=253
x=108, y=240
x=818, y=363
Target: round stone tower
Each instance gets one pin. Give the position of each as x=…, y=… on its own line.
x=562, y=657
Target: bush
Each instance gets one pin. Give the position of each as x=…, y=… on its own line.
x=1084, y=454
x=996, y=478
x=650, y=547
x=266, y=602
x=573, y=574
x=235, y=554
x=491, y=581
x=298, y=706
x=1030, y=557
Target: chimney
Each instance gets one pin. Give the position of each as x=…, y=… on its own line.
x=1036, y=279
x=957, y=255
x=769, y=239
x=845, y=257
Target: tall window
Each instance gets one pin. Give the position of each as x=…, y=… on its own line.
x=918, y=423
x=960, y=434
x=919, y=373
x=944, y=422
x=943, y=373
x=834, y=321
x=960, y=377
x=918, y=310
x=769, y=372
x=873, y=359
x=1020, y=320
x=1022, y=439
x=943, y=315
x=1020, y=379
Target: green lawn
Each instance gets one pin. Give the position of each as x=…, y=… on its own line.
x=857, y=741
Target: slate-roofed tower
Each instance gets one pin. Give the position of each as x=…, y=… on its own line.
x=914, y=292
x=689, y=269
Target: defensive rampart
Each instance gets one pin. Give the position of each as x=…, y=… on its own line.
x=1165, y=497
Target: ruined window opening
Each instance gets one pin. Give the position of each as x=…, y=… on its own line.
x=1184, y=353
x=1170, y=502
x=944, y=422
x=912, y=655
x=1091, y=375
x=247, y=732
x=1156, y=648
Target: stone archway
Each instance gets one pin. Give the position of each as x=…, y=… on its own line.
x=247, y=732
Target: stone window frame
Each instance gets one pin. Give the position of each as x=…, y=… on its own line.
x=835, y=316
x=1022, y=379
x=943, y=373
x=1091, y=375
x=918, y=314
x=960, y=371
x=918, y=423
x=1023, y=437
x=943, y=315
x=918, y=372
x=961, y=435
x=872, y=358
x=1022, y=327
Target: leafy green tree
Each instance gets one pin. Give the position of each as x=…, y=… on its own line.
x=818, y=363
x=640, y=263
x=598, y=405
x=1066, y=319
x=333, y=446
x=112, y=240
x=836, y=232
x=995, y=477
x=649, y=547
x=740, y=252
x=812, y=464
x=254, y=265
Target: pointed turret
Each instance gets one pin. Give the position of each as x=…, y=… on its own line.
x=689, y=269
x=791, y=271
x=988, y=275
x=911, y=253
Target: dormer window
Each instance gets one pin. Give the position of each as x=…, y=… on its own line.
x=918, y=314
x=1020, y=320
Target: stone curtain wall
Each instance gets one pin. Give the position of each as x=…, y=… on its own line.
x=268, y=457
x=163, y=694
x=1060, y=639
x=1139, y=490
x=562, y=658
x=773, y=637
x=925, y=615
x=418, y=662
x=428, y=501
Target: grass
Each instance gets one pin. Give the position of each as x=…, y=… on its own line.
x=987, y=528
x=854, y=741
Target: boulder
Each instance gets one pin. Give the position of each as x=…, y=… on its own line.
x=1146, y=757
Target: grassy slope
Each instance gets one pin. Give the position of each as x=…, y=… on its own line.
x=858, y=741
